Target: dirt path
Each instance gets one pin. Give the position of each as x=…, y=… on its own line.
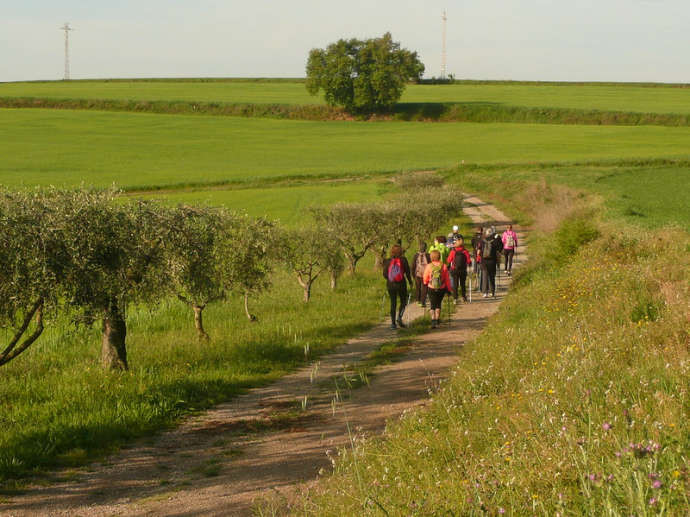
x=271, y=439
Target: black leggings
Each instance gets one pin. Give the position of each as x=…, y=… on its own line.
x=459, y=278
x=436, y=298
x=395, y=292
x=508, y=254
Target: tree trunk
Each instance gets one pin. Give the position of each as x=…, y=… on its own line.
x=307, y=290
x=334, y=280
x=250, y=316
x=352, y=264
x=380, y=257
x=199, y=323
x=114, y=349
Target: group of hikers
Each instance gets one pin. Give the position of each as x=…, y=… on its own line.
x=442, y=270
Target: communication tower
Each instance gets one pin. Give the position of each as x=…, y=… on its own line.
x=443, y=49
x=66, y=28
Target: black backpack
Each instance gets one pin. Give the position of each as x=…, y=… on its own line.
x=459, y=261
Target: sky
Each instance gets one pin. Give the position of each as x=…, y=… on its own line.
x=526, y=40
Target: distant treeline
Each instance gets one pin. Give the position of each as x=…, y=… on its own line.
x=412, y=112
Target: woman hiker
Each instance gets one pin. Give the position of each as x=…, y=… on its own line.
x=419, y=262
x=510, y=244
x=437, y=281
x=488, y=257
x=395, y=270
x=458, y=261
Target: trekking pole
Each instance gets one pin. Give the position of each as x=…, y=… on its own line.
x=407, y=307
x=448, y=297
x=383, y=301
x=470, y=275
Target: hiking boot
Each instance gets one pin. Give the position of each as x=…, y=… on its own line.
x=401, y=324
x=393, y=326
x=455, y=302
x=485, y=295
x=433, y=324
x=464, y=299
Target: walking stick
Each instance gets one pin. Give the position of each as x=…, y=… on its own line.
x=409, y=297
x=383, y=301
x=470, y=286
x=448, y=304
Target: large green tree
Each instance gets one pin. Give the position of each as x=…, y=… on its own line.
x=362, y=75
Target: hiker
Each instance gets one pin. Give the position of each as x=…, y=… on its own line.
x=395, y=270
x=510, y=244
x=458, y=260
x=419, y=262
x=452, y=237
x=488, y=257
x=437, y=281
x=476, y=243
x=440, y=246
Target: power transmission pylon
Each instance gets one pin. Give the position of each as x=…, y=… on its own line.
x=443, y=49
x=66, y=28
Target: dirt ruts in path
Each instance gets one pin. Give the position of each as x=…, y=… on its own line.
x=271, y=439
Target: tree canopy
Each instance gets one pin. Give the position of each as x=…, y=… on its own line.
x=362, y=75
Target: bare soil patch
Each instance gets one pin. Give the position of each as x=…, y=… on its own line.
x=270, y=440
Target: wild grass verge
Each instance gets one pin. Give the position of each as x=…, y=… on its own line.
x=574, y=401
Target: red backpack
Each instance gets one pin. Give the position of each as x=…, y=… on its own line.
x=395, y=271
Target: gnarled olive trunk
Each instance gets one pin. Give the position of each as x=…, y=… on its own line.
x=199, y=322
x=380, y=257
x=114, y=348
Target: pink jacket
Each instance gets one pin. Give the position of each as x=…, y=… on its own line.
x=504, y=238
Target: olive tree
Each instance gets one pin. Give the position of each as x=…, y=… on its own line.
x=301, y=251
x=352, y=227
x=193, y=255
x=250, y=256
x=213, y=253
x=362, y=75
x=30, y=278
x=113, y=257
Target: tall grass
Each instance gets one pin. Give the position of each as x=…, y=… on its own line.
x=574, y=401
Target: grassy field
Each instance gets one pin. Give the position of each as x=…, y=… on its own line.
x=650, y=193
x=284, y=202
x=147, y=151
